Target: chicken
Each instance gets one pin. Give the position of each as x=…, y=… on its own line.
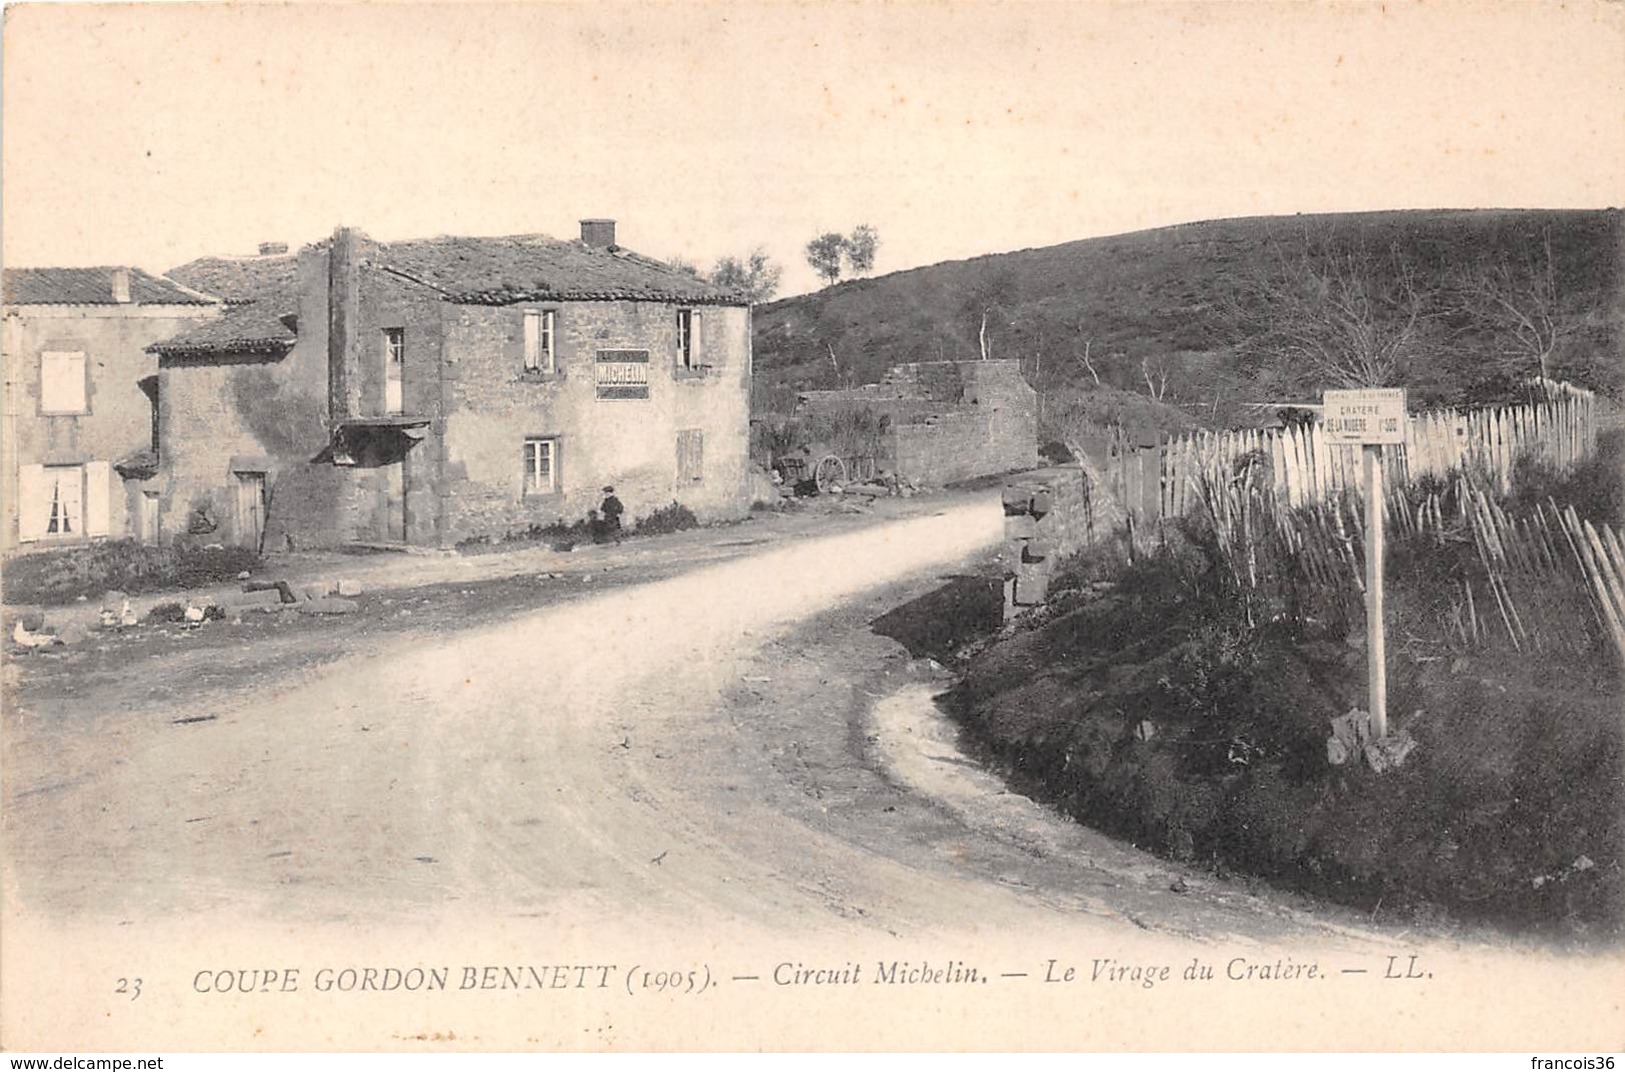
x=32, y=640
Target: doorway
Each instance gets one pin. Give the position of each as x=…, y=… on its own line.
x=148, y=518
x=250, y=509
x=395, y=502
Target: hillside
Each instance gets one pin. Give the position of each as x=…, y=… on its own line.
x=1192, y=306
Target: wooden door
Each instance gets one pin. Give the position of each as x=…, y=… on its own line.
x=250, y=509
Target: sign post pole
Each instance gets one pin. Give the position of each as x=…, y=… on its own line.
x=1376, y=663
x=1370, y=418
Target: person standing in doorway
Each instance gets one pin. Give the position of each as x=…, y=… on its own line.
x=611, y=510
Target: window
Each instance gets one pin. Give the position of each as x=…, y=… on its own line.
x=539, y=331
x=689, y=349
x=64, y=502
x=690, y=455
x=394, y=370
x=62, y=383
x=64, y=508
x=541, y=461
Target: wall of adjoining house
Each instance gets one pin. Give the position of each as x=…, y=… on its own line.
x=222, y=413
x=493, y=404
x=1011, y=406
x=388, y=301
x=114, y=339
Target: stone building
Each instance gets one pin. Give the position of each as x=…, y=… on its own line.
x=81, y=401
x=945, y=420
x=427, y=392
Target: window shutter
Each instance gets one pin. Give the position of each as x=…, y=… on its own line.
x=697, y=339
x=33, y=502
x=98, y=498
x=533, y=340
x=62, y=383
x=690, y=454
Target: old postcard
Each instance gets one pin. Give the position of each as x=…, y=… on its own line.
x=788, y=526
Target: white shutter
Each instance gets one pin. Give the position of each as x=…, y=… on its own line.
x=33, y=502
x=62, y=383
x=98, y=498
x=533, y=340
x=697, y=340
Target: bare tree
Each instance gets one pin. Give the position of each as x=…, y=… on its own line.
x=1339, y=313
x=1158, y=388
x=1520, y=304
x=993, y=293
x=1083, y=355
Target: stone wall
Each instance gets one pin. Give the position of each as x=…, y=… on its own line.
x=949, y=420
x=493, y=405
x=1049, y=515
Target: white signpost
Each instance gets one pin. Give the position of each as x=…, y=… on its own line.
x=1370, y=417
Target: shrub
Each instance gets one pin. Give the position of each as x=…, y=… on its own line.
x=166, y=612
x=667, y=519
x=1595, y=487
x=122, y=565
x=852, y=432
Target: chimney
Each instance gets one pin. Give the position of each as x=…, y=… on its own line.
x=121, y=285
x=270, y=249
x=599, y=233
x=344, y=344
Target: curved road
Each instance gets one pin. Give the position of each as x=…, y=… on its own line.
x=578, y=761
x=599, y=767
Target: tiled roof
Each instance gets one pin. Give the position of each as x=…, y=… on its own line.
x=239, y=278
x=92, y=286
x=143, y=464
x=474, y=271
x=500, y=271
x=258, y=327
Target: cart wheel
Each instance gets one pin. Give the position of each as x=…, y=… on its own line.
x=829, y=470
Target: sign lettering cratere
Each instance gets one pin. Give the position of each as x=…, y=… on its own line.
x=1370, y=416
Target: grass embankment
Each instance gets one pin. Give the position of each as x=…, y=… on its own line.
x=1151, y=707
x=55, y=577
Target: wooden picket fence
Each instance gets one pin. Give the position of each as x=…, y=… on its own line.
x=1544, y=549
x=1557, y=426
x=1519, y=585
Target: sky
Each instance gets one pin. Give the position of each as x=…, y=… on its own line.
x=151, y=134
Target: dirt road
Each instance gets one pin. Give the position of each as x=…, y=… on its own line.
x=580, y=759
x=728, y=751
